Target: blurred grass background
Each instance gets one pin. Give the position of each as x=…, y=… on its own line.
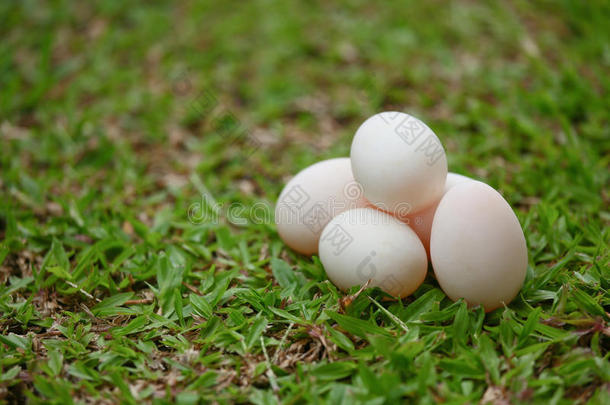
x=107, y=137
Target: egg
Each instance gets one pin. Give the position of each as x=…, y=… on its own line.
x=365, y=243
x=312, y=198
x=399, y=162
x=477, y=246
x=421, y=222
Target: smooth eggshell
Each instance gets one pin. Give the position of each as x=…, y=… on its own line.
x=399, y=162
x=312, y=198
x=477, y=247
x=366, y=243
x=421, y=222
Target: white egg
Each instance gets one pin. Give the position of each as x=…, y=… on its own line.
x=477, y=246
x=366, y=243
x=312, y=198
x=421, y=221
x=399, y=162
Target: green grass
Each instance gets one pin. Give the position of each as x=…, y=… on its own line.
x=109, y=292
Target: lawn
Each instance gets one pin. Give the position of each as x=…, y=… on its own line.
x=144, y=144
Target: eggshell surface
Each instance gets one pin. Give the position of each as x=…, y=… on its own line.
x=312, y=198
x=477, y=246
x=365, y=243
x=421, y=222
x=399, y=162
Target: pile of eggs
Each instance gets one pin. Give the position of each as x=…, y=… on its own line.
x=382, y=214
